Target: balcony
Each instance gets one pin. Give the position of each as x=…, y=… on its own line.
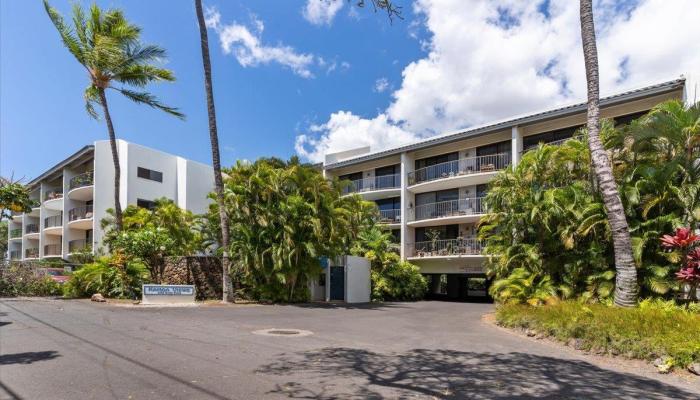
x=389, y=217
x=80, y=187
x=16, y=233
x=76, y=246
x=31, y=231
x=378, y=187
x=15, y=255
x=54, y=225
x=31, y=254
x=453, y=212
x=448, y=248
x=457, y=173
x=80, y=218
x=52, y=250
x=53, y=200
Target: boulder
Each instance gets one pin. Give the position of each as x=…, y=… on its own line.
x=663, y=364
x=694, y=368
x=98, y=298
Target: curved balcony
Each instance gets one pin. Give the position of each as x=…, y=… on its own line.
x=54, y=225
x=463, y=172
x=390, y=217
x=448, y=212
x=79, y=245
x=16, y=233
x=54, y=200
x=31, y=231
x=81, y=186
x=52, y=250
x=31, y=254
x=378, y=187
x=448, y=248
x=80, y=218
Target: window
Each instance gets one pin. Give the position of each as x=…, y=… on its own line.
x=493, y=149
x=322, y=280
x=530, y=142
x=147, y=204
x=149, y=174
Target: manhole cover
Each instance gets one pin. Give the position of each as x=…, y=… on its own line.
x=283, y=332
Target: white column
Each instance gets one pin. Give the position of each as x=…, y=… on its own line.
x=516, y=145
x=691, y=90
x=407, y=166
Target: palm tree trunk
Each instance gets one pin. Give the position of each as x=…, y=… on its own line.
x=216, y=159
x=626, y=272
x=115, y=159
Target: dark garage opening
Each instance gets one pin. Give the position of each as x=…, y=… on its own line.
x=458, y=287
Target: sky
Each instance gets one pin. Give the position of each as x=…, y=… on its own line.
x=309, y=77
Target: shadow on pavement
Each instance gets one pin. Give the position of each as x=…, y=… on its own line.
x=28, y=357
x=346, y=306
x=458, y=375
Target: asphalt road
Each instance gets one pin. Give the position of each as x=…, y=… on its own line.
x=57, y=349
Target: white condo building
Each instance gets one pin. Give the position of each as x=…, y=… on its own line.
x=436, y=187
x=72, y=197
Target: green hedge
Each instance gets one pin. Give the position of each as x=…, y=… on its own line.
x=20, y=280
x=653, y=329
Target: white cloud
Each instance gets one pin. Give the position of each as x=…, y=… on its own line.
x=493, y=59
x=321, y=12
x=247, y=46
x=381, y=84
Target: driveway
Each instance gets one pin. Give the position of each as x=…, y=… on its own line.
x=58, y=349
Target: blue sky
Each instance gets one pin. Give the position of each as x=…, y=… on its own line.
x=260, y=109
x=310, y=77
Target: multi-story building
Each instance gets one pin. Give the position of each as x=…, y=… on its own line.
x=431, y=193
x=72, y=197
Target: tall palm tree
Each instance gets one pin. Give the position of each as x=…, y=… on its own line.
x=626, y=272
x=215, y=155
x=109, y=48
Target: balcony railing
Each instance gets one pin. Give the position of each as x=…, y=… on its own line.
x=84, y=179
x=77, y=213
x=451, y=208
x=31, y=253
x=447, y=247
x=15, y=254
x=51, y=222
x=78, y=245
x=53, y=195
x=464, y=166
x=15, y=233
x=390, y=216
x=31, y=228
x=375, y=183
x=52, y=250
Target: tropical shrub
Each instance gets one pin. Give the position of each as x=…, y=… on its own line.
x=283, y=217
x=684, y=247
x=20, y=280
x=116, y=276
x=151, y=235
x=548, y=223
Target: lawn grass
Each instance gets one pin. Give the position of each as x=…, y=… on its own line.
x=645, y=332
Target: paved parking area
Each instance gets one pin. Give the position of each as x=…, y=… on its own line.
x=58, y=349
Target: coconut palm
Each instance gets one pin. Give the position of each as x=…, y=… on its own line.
x=626, y=277
x=109, y=48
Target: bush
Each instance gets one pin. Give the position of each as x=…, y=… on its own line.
x=20, y=280
x=116, y=276
x=655, y=329
x=398, y=281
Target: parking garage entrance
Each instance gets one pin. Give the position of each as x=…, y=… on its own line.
x=458, y=287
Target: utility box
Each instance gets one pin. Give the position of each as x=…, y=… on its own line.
x=345, y=279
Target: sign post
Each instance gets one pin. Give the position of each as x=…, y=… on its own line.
x=167, y=294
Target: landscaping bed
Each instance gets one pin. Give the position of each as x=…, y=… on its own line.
x=655, y=331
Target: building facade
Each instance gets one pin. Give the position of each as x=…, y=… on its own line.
x=430, y=194
x=72, y=198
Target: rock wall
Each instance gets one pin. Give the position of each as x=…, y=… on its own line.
x=202, y=272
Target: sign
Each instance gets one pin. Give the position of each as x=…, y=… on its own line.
x=167, y=294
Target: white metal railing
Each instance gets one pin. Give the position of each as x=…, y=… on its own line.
x=374, y=183
x=450, y=208
x=463, y=166
x=553, y=143
x=446, y=247
x=390, y=216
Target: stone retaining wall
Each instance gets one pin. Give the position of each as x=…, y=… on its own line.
x=202, y=272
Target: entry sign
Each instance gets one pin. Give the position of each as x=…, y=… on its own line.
x=167, y=294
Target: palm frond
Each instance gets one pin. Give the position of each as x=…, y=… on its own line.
x=149, y=100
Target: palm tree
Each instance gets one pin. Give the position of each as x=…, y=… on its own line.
x=215, y=155
x=109, y=48
x=626, y=272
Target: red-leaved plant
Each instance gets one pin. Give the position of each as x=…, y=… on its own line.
x=686, y=242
